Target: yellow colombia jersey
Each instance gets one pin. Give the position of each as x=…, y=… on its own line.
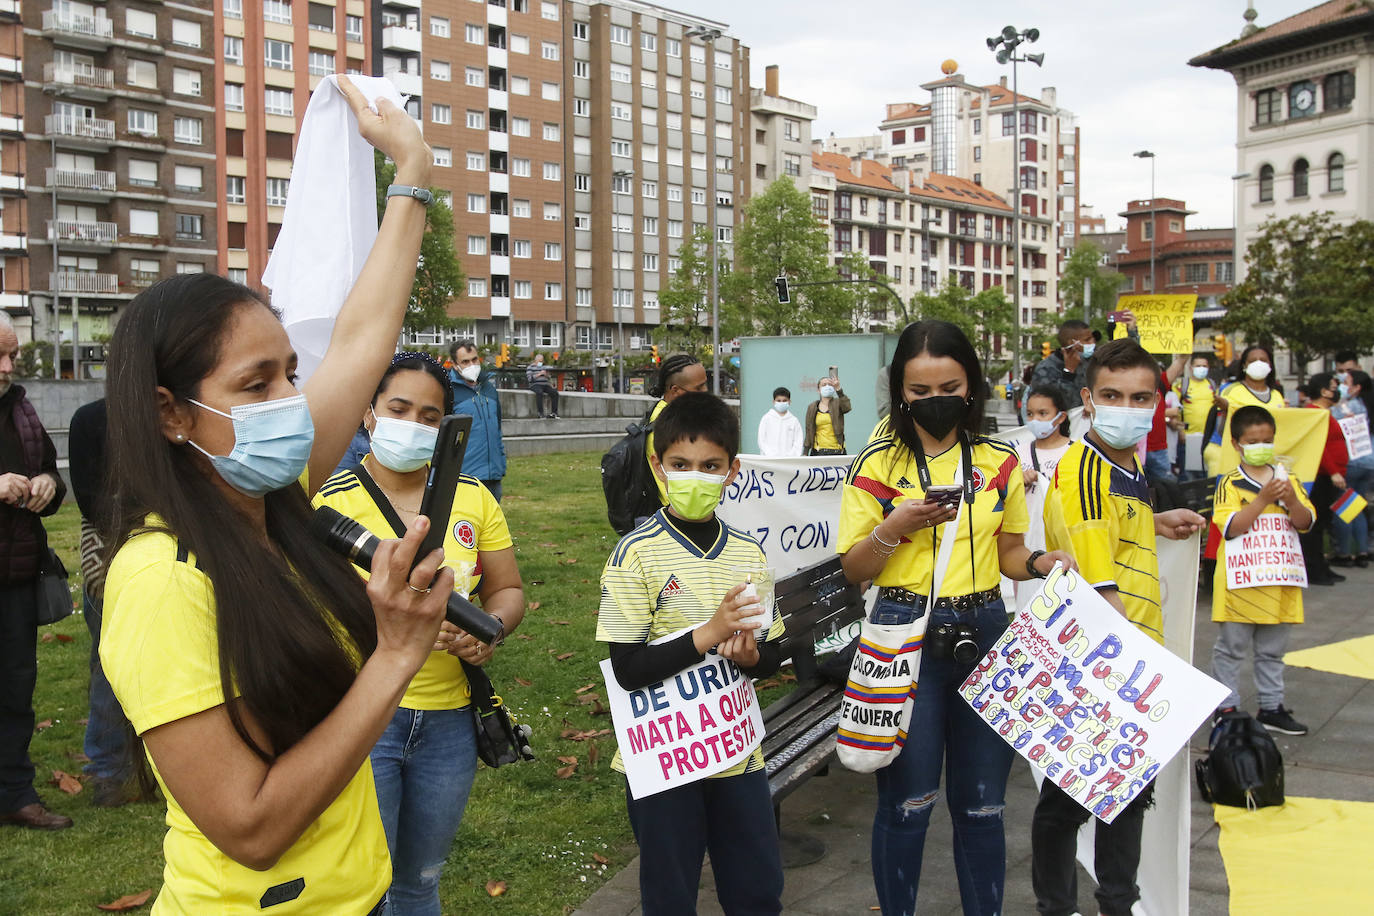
x=160, y=651
x=884, y=474
x=1264, y=603
x=649, y=451
x=1100, y=513
x=1197, y=398
x=476, y=523
x=656, y=582
x=1237, y=395
x=825, y=432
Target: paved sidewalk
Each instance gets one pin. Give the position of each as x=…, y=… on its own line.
x=1335, y=761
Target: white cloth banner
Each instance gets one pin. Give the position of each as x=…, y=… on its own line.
x=1356, y=430
x=330, y=222
x=791, y=506
x=702, y=721
x=1268, y=554
x=1089, y=700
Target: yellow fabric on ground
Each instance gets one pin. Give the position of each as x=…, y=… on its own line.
x=1303, y=857
x=1352, y=657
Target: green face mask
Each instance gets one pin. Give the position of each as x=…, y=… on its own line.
x=1258, y=453
x=694, y=494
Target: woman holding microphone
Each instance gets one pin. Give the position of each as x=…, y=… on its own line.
x=257, y=668
x=425, y=762
x=890, y=532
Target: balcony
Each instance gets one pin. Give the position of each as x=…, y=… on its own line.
x=75, y=29
x=81, y=234
x=95, y=83
x=13, y=244
x=399, y=38
x=406, y=83
x=82, y=184
x=95, y=133
x=83, y=282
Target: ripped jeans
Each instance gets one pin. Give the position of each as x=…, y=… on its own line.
x=945, y=732
x=423, y=766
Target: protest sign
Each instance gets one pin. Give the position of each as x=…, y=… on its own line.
x=1267, y=554
x=791, y=506
x=1165, y=323
x=1089, y=700
x=1356, y=431
x=702, y=721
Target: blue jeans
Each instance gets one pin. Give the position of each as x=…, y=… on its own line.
x=106, y=740
x=1158, y=466
x=1353, y=537
x=423, y=765
x=945, y=732
x=494, y=487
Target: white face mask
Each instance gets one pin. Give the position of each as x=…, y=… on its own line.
x=1258, y=370
x=1199, y=372
x=471, y=371
x=402, y=446
x=782, y=406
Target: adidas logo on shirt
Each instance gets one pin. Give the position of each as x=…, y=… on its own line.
x=904, y=484
x=671, y=589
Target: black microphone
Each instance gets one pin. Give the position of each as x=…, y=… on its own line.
x=343, y=535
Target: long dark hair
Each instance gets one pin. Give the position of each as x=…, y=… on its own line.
x=935, y=338
x=273, y=599
x=671, y=367
x=1055, y=395
x=1273, y=380
x=1366, y=395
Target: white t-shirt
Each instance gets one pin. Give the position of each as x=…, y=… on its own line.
x=780, y=435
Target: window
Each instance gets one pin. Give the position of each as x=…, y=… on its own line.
x=188, y=178
x=477, y=203
x=620, y=111
x=186, y=130
x=439, y=70
x=143, y=222
x=319, y=17
x=1268, y=106
x=1195, y=273
x=276, y=11
x=1335, y=173
x=477, y=244
x=723, y=96
x=523, y=289
x=140, y=73
x=697, y=125
x=477, y=162
x=583, y=107
x=977, y=154
x=820, y=206
x=276, y=191
x=438, y=27
x=353, y=28
x=549, y=91
x=1338, y=90
x=552, y=131
x=519, y=85
x=443, y=156
x=1225, y=272
x=143, y=123
x=553, y=171
x=520, y=44
x=548, y=50
x=1300, y=178
x=620, y=73
x=474, y=76
x=520, y=127
x=234, y=190
x=140, y=23
x=674, y=228
x=651, y=225
x=553, y=212
x=520, y=168
x=440, y=114
x=233, y=9
x=142, y=173
x=185, y=82
x=473, y=34
x=724, y=163
x=620, y=147
x=553, y=251
x=1008, y=124
x=674, y=193
x=580, y=30
x=320, y=63
x=548, y=10
x=522, y=248
x=620, y=35
x=277, y=54
x=554, y=293
x=476, y=120
x=477, y=287
x=233, y=50
x=977, y=126
x=190, y=226
x=278, y=101
x=1266, y=183
x=697, y=90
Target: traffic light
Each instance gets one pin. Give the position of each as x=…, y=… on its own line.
x=654, y=347
x=1044, y=349
x=784, y=296
x=504, y=356
x=1221, y=348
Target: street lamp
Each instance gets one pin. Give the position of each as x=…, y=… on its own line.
x=1146, y=154
x=1005, y=44
x=1236, y=232
x=627, y=176
x=708, y=35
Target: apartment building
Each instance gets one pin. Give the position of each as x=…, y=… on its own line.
x=782, y=134
x=919, y=232
x=121, y=175
x=14, y=220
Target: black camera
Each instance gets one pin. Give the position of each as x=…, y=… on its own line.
x=958, y=641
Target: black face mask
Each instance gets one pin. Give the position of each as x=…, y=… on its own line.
x=937, y=415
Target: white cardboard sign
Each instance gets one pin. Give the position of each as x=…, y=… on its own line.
x=1268, y=554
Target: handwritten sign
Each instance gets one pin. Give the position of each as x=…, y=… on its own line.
x=1268, y=554
x=791, y=506
x=1092, y=703
x=1165, y=322
x=702, y=721
x=1356, y=431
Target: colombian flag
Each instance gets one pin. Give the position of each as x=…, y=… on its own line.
x=1349, y=506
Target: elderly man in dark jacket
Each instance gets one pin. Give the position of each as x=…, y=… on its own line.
x=30, y=487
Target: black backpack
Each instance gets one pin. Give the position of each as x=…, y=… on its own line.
x=1243, y=767
x=628, y=483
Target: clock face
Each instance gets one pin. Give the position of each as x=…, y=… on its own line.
x=1304, y=98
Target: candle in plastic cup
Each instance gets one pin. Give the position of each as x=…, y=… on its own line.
x=759, y=586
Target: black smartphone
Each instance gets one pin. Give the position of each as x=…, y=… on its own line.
x=947, y=496
x=444, y=468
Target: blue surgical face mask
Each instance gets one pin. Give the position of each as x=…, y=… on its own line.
x=1042, y=429
x=827, y=391
x=1199, y=372
x=782, y=406
x=1343, y=391
x=1122, y=427
x=402, y=446
x=272, y=443
x=1089, y=350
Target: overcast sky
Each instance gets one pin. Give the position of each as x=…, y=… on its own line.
x=1121, y=67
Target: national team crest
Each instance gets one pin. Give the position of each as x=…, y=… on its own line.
x=978, y=479
x=465, y=534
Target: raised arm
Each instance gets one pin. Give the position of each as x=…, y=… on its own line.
x=365, y=332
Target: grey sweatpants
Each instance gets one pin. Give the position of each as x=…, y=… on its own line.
x=1269, y=640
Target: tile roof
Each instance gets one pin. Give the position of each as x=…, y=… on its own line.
x=998, y=95
x=960, y=190
x=1323, y=14
x=876, y=175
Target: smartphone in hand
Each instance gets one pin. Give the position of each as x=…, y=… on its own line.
x=444, y=469
x=947, y=495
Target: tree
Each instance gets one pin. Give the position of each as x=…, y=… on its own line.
x=1309, y=285
x=781, y=235
x=686, y=301
x=984, y=317
x=1086, y=264
x=439, y=276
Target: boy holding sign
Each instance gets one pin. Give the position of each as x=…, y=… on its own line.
x=1257, y=595
x=680, y=569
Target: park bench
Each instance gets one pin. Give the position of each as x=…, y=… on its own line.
x=799, y=740
x=1197, y=495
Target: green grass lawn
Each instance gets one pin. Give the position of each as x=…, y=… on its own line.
x=539, y=833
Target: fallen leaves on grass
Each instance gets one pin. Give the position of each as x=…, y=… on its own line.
x=567, y=771
x=577, y=734
x=599, y=710
x=565, y=656
x=524, y=636
x=126, y=903
x=43, y=726
x=566, y=759
x=523, y=682
x=47, y=637
x=764, y=685
x=63, y=637
x=495, y=888
x=560, y=623
x=54, y=637
x=65, y=781
x=533, y=606
x=584, y=688
x=588, y=698
x=600, y=859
